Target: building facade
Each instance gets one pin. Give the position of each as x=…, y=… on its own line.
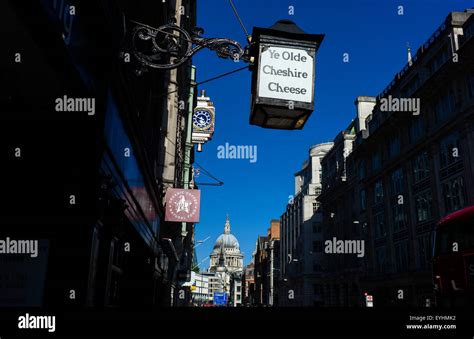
x=261, y=272
x=338, y=219
x=116, y=161
x=200, y=291
x=404, y=171
x=216, y=284
x=236, y=292
x=267, y=267
x=248, y=285
x=300, y=238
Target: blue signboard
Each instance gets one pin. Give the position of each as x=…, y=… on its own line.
x=220, y=298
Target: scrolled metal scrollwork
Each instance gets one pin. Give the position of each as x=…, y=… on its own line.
x=169, y=46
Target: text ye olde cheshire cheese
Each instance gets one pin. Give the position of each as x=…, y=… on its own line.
x=288, y=72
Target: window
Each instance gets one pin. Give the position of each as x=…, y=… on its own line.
x=361, y=171
x=401, y=256
x=411, y=87
x=317, y=289
x=379, y=225
x=317, y=267
x=315, y=206
x=439, y=59
x=238, y=288
x=394, y=147
x=421, y=167
x=470, y=85
x=425, y=248
x=317, y=246
x=362, y=199
x=376, y=161
x=444, y=106
x=350, y=167
x=317, y=227
x=115, y=275
x=468, y=31
x=454, y=194
x=399, y=217
x=380, y=256
x=317, y=190
x=378, y=192
x=374, y=122
x=423, y=206
x=417, y=128
x=449, y=150
x=396, y=181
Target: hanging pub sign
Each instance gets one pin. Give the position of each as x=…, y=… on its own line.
x=203, y=121
x=182, y=205
x=283, y=74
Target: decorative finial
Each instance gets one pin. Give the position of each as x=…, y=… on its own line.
x=410, y=62
x=227, y=224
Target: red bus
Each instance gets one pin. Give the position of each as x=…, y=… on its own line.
x=453, y=259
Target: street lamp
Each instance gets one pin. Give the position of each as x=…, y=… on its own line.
x=282, y=59
x=283, y=76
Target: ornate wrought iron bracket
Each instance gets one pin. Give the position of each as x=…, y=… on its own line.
x=169, y=46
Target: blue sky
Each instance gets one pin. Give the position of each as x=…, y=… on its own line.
x=375, y=37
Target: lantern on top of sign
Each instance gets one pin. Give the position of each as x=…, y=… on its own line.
x=203, y=121
x=284, y=58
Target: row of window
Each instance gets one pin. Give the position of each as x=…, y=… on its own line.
x=401, y=258
x=449, y=153
x=449, y=149
x=443, y=108
x=402, y=255
x=454, y=196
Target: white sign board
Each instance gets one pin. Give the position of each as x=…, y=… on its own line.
x=369, y=301
x=286, y=73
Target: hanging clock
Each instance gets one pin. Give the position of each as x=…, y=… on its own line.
x=202, y=119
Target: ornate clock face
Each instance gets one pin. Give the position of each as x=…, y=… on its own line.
x=202, y=119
